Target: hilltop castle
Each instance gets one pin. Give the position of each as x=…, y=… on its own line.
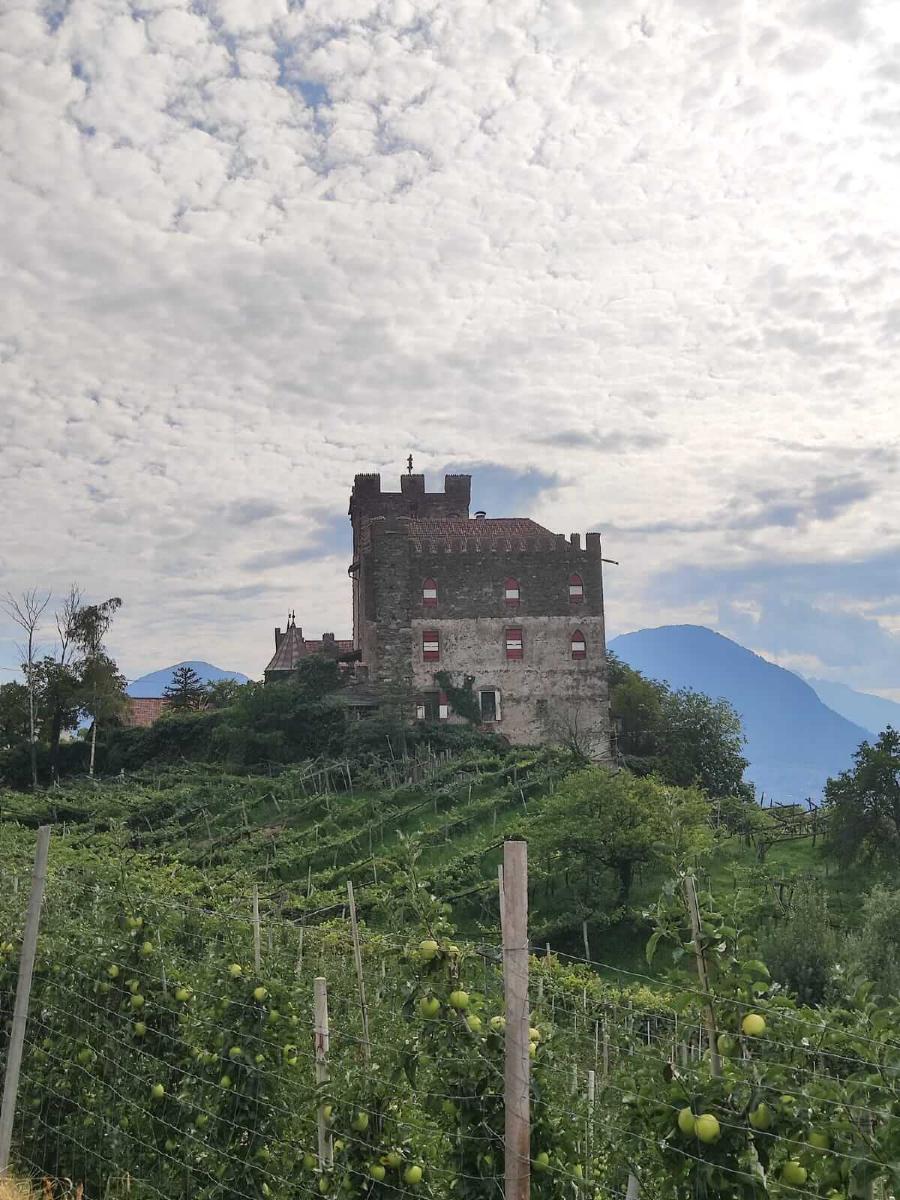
x=499, y=610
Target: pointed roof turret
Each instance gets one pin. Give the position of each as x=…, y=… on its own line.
x=289, y=649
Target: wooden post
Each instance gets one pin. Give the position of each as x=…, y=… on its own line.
x=587, y=945
x=257, y=953
x=357, y=958
x=709, y=1015
x=515, y=986
x=320, y=1002
x=298, y=970
x=633, y=1191
x=23, y=994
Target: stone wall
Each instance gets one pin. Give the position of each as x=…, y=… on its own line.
x=543, y=695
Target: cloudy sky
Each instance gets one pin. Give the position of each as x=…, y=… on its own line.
x=634, y=264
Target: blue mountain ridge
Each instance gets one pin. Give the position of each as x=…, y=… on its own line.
x=873, y=712
x=794, y=740
x=156, y=682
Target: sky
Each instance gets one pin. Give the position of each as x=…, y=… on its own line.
x=633, y=264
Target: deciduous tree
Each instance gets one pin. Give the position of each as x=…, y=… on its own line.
x=863, y=804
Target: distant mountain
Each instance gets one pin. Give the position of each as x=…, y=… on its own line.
x=794, y=741
x=873, y=712
x=156, y=682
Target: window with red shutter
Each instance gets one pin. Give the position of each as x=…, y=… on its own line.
x=576, y=589
x=579, y=646
x=511, y=591
x=431, y=645
x=430, y=593
x=443, y=707
x=514, y=644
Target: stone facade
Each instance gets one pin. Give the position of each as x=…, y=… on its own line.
x=504, y=604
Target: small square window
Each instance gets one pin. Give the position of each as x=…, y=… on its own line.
x=579, y=646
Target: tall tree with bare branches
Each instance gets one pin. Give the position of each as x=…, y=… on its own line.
x=104, y=686
x=26, y=611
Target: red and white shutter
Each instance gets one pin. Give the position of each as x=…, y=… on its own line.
x=431, y=645
x=511, y=591
x=515, y=646
x=579, y=646
x=576, y=589
x=443, y=707
x=430, y=593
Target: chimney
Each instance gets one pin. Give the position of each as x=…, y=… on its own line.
x=277, y=637
x=480, y=514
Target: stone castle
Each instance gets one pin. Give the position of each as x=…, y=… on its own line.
x=498, y=610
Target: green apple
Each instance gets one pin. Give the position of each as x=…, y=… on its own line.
x=393, y=1159
x=459, y=1000
x=793, y=1174
x=819, y=1139
x=235, y=1052
x=157, y=1091
x=761, y=1117
x=753, y=1025
x=541, y=1161
x=235, y=970
x=225, y=1082
x=412, y=1175
x=534, y=1035
x=686, y=1122
x=309, y=1161
x=260, y=993
x=498, y=1024
x=84, y=1055
x=360, y=1122
x=112, y=971
x=429, y=1007
x=428, y=949
x=726, y=1045
x=137, y=1000
x=140, y=1029
x=707, y=1128
x=182, y=995
x=201, y=1120
x=474, y=1023
x=377, y=1172
x=147, y=948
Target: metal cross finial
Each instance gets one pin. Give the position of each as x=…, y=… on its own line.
x=409, y=465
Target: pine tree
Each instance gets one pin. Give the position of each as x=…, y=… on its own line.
x=186, y=692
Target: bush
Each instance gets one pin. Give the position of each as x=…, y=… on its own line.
x=874, y=951
x=802, y=949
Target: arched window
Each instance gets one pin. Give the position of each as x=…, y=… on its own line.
x=515, y=647
x=511, y=591
x=576, y=589
x=579, y=646
x=429, y=593
x=431, y=645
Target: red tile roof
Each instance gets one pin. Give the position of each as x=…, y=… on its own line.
x=502, y=532
x=142, y=711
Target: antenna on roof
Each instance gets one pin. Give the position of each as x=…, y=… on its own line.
x=409, y=465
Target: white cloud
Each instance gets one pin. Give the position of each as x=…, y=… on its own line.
x=252, y=247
